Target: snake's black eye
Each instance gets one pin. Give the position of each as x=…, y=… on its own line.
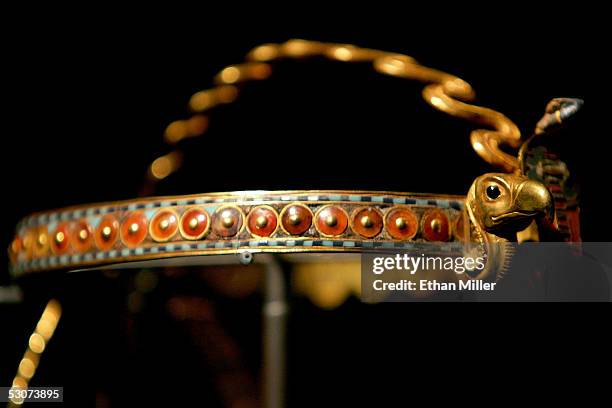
x=493, y=192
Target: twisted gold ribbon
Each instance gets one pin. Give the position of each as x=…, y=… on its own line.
x=445, y=92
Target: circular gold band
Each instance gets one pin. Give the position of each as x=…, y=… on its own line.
x=286, y=221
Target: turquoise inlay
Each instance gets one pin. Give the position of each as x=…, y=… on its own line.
x=421, y=202
x=313, y=198
x=64, y=216
x=368, y=244
x=185, y=247
x=52, y=226
x=443, y=203
x=253, y=243
x=93, y=221
x=355, y=198
x=154, y=250
x=75, y=258
x=377, y=199
x=288, y=198
x=63, y=259
x=150, y=205
x=89, y=211
x=149, y=213
x=100, y=255
x=388, y=244
x=202, y=246
x=139, y=251
x=219, y=245
x=399, y=201
x=335, y=198
x=113, y=253
x=132, y=207
x=125, y=252
x=170, y=247
x=328, y=243
x=308, y=243
x=290, y=243
x=181, y=202
x=348, y=243
x=211, y=208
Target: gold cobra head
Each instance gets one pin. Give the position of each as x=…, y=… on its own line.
x=504, y=204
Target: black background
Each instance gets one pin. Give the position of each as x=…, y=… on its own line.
x=86, y=104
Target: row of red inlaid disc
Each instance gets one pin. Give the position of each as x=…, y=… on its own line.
x=196, y=223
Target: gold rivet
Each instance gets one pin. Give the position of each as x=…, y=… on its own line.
x=295, y=219
x=261, y=221
x=134, y=228
x=193, y=223
x=227, y=219
x=436, y=225
x=42, y=239
x=331, y=220
x=106, y=232
x=366, y=221
x=164, y=224
x=83, y=234
x=400, y=223
x=60, y=237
